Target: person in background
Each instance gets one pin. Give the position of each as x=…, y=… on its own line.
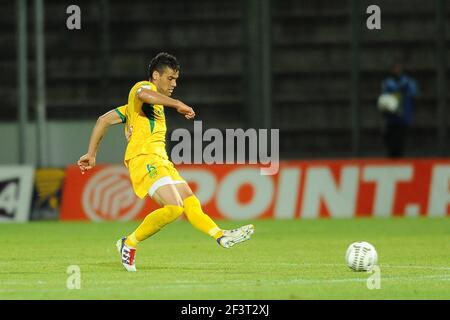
x=396, y=123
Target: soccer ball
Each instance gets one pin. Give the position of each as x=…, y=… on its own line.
x=361, y=256
x=388, y=102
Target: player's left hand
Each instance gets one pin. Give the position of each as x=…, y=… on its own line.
x=187, y=111
x=190, y=115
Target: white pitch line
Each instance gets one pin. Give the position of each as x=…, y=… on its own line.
x=190, y=283
x=416, y=267
x=291, y=264
x=240, y=283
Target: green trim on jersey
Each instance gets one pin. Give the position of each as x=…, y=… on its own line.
x=122, y=117
x=149, y=111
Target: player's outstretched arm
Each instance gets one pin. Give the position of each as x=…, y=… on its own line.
x=153, y=97
x=87, y=161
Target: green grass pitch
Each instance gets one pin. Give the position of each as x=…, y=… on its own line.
x=285, y=259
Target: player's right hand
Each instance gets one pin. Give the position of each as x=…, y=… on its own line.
x=86, y=162
x=186, y=110
x=129, y=133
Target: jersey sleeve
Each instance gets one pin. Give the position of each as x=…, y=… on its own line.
x=122, y=111
x=150, y=86
x=134, y=108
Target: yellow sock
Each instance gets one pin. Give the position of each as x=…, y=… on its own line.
x=152, y=223
x=131, y=240
x=201, y=221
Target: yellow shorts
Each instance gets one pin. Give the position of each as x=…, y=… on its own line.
x=148, y=172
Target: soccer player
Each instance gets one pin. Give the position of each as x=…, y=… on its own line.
x=151, y=172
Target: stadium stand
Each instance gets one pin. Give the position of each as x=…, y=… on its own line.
x=90, y=70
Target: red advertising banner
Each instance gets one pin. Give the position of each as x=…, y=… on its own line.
x=300, y=189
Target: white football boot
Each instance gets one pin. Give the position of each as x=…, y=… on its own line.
x=231, y=237
x=127, y=255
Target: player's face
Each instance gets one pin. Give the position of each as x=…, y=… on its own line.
x=167, y=81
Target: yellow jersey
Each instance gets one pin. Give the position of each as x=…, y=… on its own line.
x=148, y=122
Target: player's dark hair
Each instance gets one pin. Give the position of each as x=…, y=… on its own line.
x=162, y=60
